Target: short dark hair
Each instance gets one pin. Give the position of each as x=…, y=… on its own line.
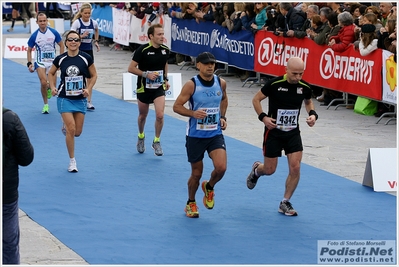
x=333, y=18
x=151, y=29
x=286, y=6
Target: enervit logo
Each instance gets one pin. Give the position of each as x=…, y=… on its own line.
x=326, y=63
x=265, y=52
x=345, y=67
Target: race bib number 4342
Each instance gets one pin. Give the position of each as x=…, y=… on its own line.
x=287, y=119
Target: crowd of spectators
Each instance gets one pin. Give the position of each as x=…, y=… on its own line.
x=350, y=25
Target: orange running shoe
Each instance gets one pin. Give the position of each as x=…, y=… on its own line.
x=191, y=210
x=209, y=202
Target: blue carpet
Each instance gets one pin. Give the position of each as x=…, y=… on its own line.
x=127, y=208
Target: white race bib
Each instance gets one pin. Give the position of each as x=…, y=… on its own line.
x=287, y=119
x=74, y=85
x=89, y=37
x=154, y=84
x=210, y=122
x=47, y=56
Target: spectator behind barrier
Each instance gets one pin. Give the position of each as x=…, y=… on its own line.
x=260, y=18
x=139, y=10
x=220, y=10
x=346, y=35
x=154, y=10
x=368, y=18
x=320, y=38
x=385, y=10
x=334, y=26
x=390, y=41
x=311, y=11
x=354, y=10
x=368, y=39
x=271, y=12
x=187, y=11
x=385, y=32
x=233, y=23
x=293, y=19
x=228, y=16
x=206, y=13
x=316, y=23
x=248, y=16
x=173, y=6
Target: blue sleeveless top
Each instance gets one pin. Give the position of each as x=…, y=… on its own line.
x=209, y=98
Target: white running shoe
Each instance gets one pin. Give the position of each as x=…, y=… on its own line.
x=90, y=106
x=72, y=166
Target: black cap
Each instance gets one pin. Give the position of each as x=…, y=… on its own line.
x=206, y=57
x=368, y=28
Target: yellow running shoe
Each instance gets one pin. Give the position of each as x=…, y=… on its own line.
x=191, y=210
x=209, y=202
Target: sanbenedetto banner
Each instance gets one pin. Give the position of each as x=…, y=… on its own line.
x=389, y=82
x=346, y=72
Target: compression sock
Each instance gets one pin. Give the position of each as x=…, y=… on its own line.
x=188, y=201
x=12, y=23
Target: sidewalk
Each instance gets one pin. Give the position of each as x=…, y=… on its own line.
x=338, y=143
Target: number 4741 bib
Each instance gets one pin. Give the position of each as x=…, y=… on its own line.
x=287, y=119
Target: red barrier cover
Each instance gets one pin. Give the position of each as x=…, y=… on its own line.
x=345, y=72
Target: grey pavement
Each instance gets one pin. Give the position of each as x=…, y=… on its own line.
x=338, y=143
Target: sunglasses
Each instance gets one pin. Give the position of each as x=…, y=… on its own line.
x=76, y=40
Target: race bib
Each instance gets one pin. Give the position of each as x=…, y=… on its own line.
x=47, y=56
x=89, y=37
x=210, y=122
x=287, y=119
x=154, y=84
x=74, y=85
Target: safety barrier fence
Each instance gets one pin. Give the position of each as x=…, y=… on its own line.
x=372, y=76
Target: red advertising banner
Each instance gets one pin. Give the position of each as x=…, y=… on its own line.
x=345, y=72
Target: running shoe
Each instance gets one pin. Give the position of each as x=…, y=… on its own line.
x=208, y=200
x=49, y=93
x=140, y=145
x=287, y=209
x=252, y=179
x=157, y=148
x=72, y=166
x=25, y=20
x=90, y=106
x=10, y=29
x=191, y=210
x=46, y=109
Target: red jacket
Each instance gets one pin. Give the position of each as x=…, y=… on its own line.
x=345, y=37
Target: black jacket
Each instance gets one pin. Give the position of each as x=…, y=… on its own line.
x=17, y=150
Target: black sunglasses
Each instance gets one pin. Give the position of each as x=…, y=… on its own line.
x=76, y=40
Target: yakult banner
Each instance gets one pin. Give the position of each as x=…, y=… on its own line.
x=346, y=72
x=192, y=38
x=389, y=81
x=17, y=48
x=139, y=28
